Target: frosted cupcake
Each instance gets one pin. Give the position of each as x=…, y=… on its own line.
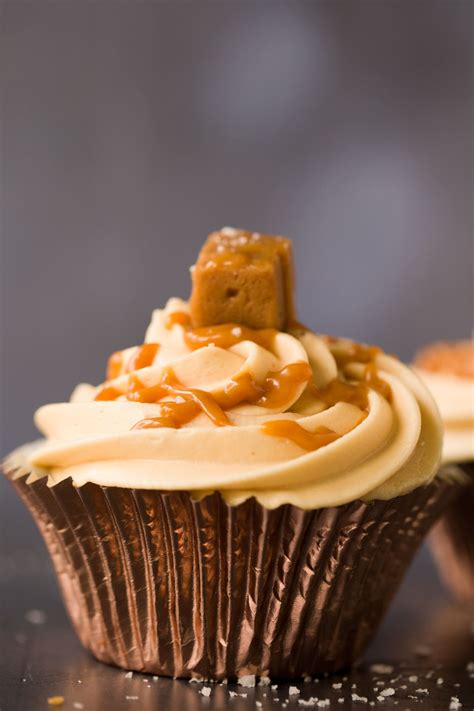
x=240, y=495
x=448, y=371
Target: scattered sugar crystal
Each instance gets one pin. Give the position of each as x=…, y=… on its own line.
x=322, y=703
x=439, y=681
x=455, y=704
x=379, y=683
x=470, y=667
x=340, y=700
x=430, y=674
x=205, y=691
x=232, y=694
x=337, y=686
x=129, y=675
x=312, y=701
x=293, y=691
x=403, y=686
x=258, y=704
x=248, y=680
x=195, y=680
x=381, y=668
x=359, y=699
x=264, y=681
x=274, y=687
x=35, y=617
x=387, y=692
x=413, y=679
x=421, y=691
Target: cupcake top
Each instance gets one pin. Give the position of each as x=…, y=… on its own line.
x=448, y=371
x=228, y=392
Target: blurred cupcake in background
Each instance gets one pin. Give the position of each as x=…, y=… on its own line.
x=447, y=368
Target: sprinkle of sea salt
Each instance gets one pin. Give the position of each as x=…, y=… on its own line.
x=131, y=698
x=205, y=691
x=36, y=617
x=340, y=700
x=264, y=681
x=413, y=679
x=359, y=699
x=274, y=687
x=258, y=704
x=439, y=681
x=248, y=680
x=129, y=675
x=455, y=704
x=307, y=679
x=293, y=691
x=387, y=692
x=232, y=694
x=381, y=669
x=421, y=691
x=77, y=705
x=322, y=703
x=337, y=686
x=312, y=701
x=470, y=667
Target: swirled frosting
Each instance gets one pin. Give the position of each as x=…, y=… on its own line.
x=286, y=417
x=448, y=371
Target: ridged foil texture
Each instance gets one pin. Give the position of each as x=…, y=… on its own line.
x=157, y=582
x=452, y=542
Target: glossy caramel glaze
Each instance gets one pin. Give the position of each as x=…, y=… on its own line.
x=289, y=429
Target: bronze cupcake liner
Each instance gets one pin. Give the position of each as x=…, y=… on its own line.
x=157, y=582
x=452, y=542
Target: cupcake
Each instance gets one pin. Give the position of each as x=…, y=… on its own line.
x=240, y=496
x=448, y=371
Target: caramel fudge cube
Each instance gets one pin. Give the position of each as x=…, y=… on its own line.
x=243, y=277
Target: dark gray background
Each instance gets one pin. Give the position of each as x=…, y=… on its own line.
x=131, y=129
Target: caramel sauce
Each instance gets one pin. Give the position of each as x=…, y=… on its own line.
x=277, y=388
x=340, y=391
x=179, y=317
x=372, y=379
x=226, y=335
x=114, y=365
x=289, y=429
x=107, y=393
x=143, y=357
x=356, y=353
x=170, y=386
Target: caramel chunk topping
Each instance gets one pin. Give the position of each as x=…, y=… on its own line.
x=243, y=277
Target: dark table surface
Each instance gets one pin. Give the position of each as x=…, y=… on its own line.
x=426, y=643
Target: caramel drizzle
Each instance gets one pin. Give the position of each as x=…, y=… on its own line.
x=142, y=357
x=223, y=335
x=274, y=392
x=289, y=429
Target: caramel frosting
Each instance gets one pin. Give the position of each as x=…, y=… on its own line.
x=287, y=417
x=448, y=371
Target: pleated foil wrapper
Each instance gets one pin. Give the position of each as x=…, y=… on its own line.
x=452, y=541
x=158, y=582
